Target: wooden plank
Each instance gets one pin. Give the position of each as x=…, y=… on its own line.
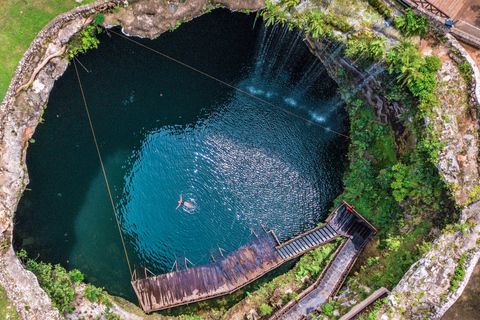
x=235, y=269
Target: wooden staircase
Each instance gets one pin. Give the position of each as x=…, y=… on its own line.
x=345, y=221
x=307, y=241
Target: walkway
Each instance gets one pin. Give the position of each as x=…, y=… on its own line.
x=255, y=259
x=327, y=285
x=225, y=276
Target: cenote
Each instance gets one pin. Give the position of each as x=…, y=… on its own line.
x=164, y=131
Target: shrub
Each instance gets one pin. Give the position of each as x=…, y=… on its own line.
x=410, y=24
x=327, y=310
x=366, y=45
x=265, y=309
x=56, y=283
x=82, y=42
x=99, y=18
x=466, y=72
x=92, y=293
x=76, y=276
x=459, y=273
x=405, y=61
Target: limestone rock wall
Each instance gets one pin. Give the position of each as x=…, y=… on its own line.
x=150, y=18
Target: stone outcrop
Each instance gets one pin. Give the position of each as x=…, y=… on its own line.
x=150, y=18
x=424, y=289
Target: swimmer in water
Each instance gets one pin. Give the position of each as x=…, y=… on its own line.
x=185, y=203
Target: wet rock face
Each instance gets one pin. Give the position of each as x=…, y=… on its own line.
x=458, y=125
x=150, y=18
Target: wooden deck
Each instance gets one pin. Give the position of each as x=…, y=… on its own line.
x=450, y=7
x=225, y=276
x=359, y=232
x=249, y=263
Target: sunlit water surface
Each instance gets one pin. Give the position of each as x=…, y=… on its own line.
x=165, y=131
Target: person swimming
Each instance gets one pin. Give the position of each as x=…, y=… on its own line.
x=185, y=203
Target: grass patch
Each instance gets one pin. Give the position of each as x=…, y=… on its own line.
x=20, y=21
x=7, y=311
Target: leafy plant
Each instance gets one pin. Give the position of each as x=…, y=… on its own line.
x=459, y=273
x=265, y=309
x=56, y=283
x=99, y=18
x=366, y=45
x=292, y=3
x=76, y=276
x=405, y=61
x=21, y=254
x=411, y=24
x=327, y=310
x=82, y=42
x=92, y=293
x=466, y=72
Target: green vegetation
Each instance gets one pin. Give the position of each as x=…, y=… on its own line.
x=92, y=293
x=366, y=47
x=313, y=22
x=398, y=190
x=327, y=309
x=265, y=310
x=459, y=273
x=7, y=311
x=20, y=21
x=466, y=71
x=373, y=314
x=60, y=285
x=99, y=18
x=86, y=39
x=381, y=8
x=410, y=24
x=81, y=42
x=56, y=282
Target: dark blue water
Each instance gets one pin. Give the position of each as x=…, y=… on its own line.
x=165, y=131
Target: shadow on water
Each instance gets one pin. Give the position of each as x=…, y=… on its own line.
x=165, y=131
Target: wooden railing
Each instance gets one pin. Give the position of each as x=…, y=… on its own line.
x=427, y=5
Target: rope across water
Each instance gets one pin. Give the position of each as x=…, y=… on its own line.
x=227, y=84
x=103, y=169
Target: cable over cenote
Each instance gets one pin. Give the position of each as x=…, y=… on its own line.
x=227, y=84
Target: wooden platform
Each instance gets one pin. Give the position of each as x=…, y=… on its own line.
x=450, y=7
x=234, y=271
x=359, y=232
x=247, y=264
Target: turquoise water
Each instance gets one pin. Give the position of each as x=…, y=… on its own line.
x=165, y=131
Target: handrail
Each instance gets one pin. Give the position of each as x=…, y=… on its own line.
x=305, y=292
x=427, y=5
